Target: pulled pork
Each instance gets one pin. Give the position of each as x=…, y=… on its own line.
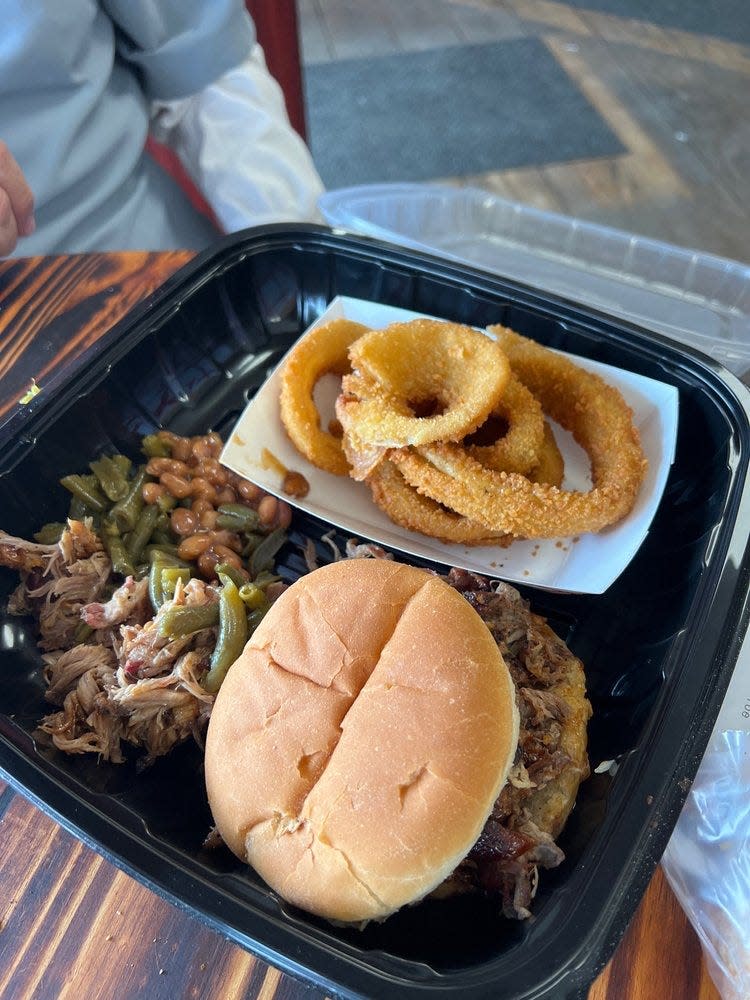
x=114, y=677
x=518, y=838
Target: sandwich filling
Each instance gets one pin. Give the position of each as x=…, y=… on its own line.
x=519, y=837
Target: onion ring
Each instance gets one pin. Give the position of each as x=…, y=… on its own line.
x=409, y=509
x=551, y=467
x=409, y=365
x=324, y=350
x=600, y=421
x=362, y=458
x=518, y=449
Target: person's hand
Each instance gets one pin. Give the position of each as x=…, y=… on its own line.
x=16, y=203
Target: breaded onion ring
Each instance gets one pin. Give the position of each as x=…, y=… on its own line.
x=422, y=363
x=600, y=421
x=409, y=509
x=322, y=351
x=405, y=506
x=362, y=458
x=518, y=448
x=551, y=467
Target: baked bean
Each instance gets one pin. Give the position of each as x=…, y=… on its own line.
x=275, y=590
x=207, y=518
x=226, y=555
x=202, y=488
x=202, y=448
x=152, y=492
x=176, y=485
x=169, y=437
x=199, y=506
x=226, y=495
x=207, y=563
x=214, y=443
x=181, y=449
x=267, y=510
x=284, y=516
x=158, y=466
x=184, y=521
x=192, y=546
x=249, y=491
x=210, y=469
x=228, y=538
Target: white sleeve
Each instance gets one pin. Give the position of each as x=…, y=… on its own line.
x=236, y=143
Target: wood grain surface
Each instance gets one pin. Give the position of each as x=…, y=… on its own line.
x=71, y=924
x=53, y=310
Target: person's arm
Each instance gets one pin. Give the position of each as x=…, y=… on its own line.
x=218, y=108
x=235, y=141
x=16, y=203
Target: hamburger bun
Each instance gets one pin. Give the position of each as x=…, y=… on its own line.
x=358, y=744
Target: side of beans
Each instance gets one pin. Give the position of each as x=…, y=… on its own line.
x=213, y=506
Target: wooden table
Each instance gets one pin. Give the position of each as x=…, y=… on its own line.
x=71, y=924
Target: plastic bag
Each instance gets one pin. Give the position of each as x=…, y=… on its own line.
x=707, y=861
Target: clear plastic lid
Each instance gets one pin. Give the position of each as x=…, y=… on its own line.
x=694, y=298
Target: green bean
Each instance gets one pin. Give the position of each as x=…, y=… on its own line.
x=232, y=634
x=169, y=577
x=264, y=555
x=78, y=510
x=163, y=539
x=84, y=490
x=166, y=502
x=155, y=589
x=118, y=554
x=140, y=536
x=50, y=533
x=175, y=622
x=108, y=526
x=152, y=446
x=253, y=597
x=237, y=576
x=123, y=463
x=252, y=541
x=127, y=511
x=255, y=618
x=163, y=522
x=110, y=478
x=161, y=558
x=237, y=517
x=264, y=578
x=163, y=549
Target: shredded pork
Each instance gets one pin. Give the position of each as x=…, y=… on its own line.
x=114, y=677
x=512, y=847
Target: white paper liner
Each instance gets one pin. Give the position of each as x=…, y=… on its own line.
x=588, y=564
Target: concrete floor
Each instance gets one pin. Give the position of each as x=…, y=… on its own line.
x=676, y=100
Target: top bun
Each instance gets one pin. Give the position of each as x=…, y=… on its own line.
x=358, y=744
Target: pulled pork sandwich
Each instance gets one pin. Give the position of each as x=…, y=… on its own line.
x=388, y=733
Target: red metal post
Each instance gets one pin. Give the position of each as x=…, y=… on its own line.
x=277, y=30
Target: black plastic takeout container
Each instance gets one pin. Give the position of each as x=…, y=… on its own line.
x=659, y=646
